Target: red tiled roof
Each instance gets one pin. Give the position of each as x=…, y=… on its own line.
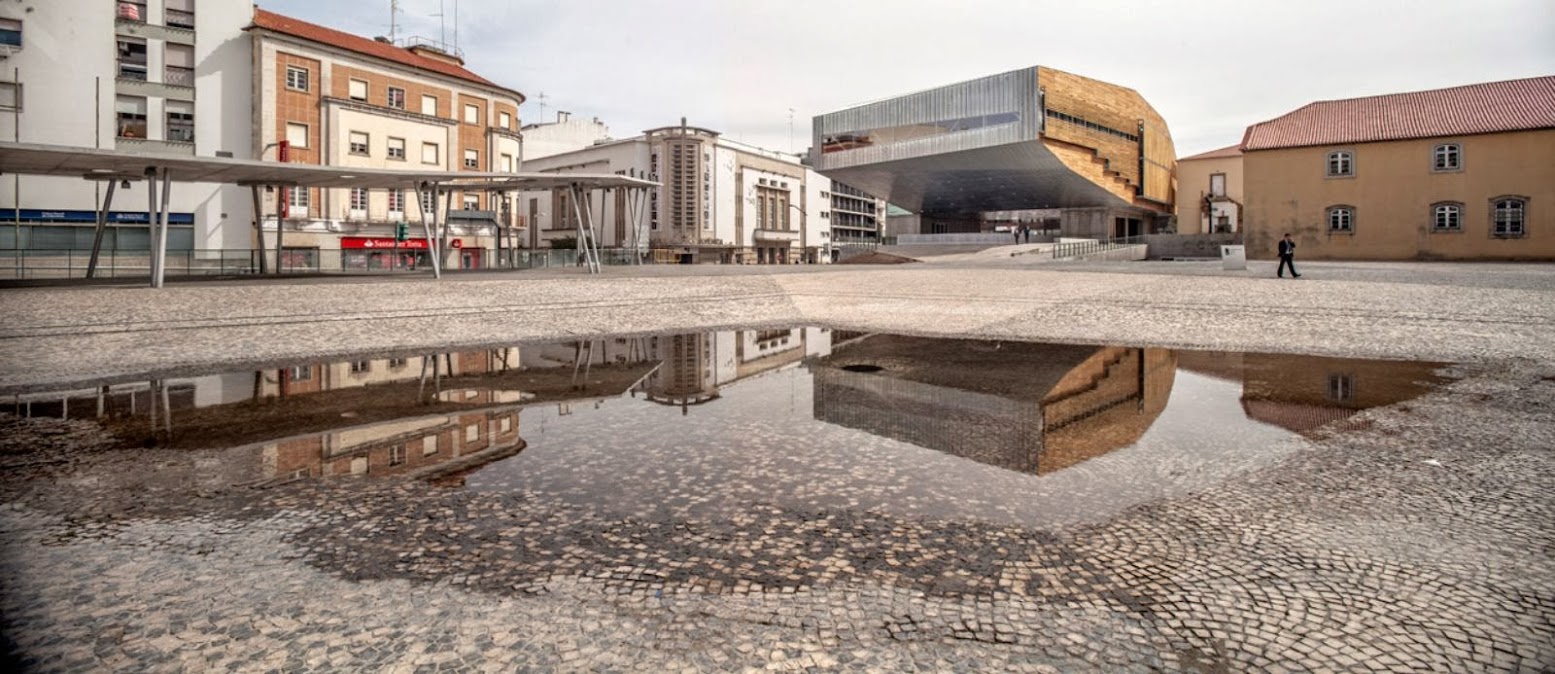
x=1513, y=105
x=1231, y=151
x=361, y=45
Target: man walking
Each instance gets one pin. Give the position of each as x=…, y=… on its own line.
x=1287, y=257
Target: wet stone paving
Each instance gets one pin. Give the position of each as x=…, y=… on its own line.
x=787, y=500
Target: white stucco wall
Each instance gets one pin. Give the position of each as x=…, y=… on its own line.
x=70, y=101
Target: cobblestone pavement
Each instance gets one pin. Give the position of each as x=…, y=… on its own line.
x=1417, y=538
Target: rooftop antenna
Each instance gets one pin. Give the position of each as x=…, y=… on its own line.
x=394, y=12
x=790, y=130
x=540, y=98
x=456, y=26
x=442, y=30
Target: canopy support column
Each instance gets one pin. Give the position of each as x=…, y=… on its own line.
x=259, y=226
x=102, y=227
x=280, y=228
x=161, y=242
x=427, y=227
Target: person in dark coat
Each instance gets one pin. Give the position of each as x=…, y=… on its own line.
x=1287, y=252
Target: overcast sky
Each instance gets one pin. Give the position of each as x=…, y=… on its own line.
x=1211, y=67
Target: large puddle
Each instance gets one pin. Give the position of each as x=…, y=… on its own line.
x=809, y=419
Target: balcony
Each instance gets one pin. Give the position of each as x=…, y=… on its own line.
x=176, y=18
x=779, y=235
x=177, y=76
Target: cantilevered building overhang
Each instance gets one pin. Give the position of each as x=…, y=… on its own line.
x=1029, y=138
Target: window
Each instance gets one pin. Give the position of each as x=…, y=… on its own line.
x=360, y=366
x=132, y=11
x=1447, y=157
x=506, y=424
x=357, y=90
x=429, y=445
x=298, y=198
x=130, y=112
x=297, y=134
x=472, y=432
x=1341, y=219
x=472, y=114
x=396, y=455
x=1447, y=217
x=11, y=32
x=299, y=373
x=296, y=78
x=1507, y=216
x=1341, y=387
x=10, y=95
x=507, y=163
x=178, y=65
x=429, y=105
x=472, y=202
x=178, y=13
x=472, y=159
x=1341, y=164
x=396, y=98
x=429, y=153
x=504, y=120
x=428, y=204
x=397, y=149
x=1217, y=184
x=180, y=121
x=132, y=59
x=397, y=212
x=358, y=209
x=397, y=362
x=358, y=143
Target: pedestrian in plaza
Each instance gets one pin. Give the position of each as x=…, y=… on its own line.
x=1287, y=250
x=1016, y=231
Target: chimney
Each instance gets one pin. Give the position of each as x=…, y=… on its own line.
x=562, y=116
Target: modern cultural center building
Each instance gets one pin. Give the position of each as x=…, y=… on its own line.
x=1034, y=138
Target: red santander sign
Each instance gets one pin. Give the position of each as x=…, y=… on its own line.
x=387, y=243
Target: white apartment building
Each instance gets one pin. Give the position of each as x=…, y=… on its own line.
x=563, y=135
x=149, y=76
x=344, y=100
x=719, y=200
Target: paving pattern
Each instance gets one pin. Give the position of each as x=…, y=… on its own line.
x=1417, y=538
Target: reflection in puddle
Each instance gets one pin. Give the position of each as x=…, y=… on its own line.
x=818, y=417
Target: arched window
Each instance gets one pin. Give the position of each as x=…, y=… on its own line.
x=1341, y=163
x=1447, y=217
x=1447, y=157
x=1341, y=219
x=1508, y=216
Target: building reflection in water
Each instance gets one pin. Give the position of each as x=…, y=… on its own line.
x=1304, y=393
x=1033, y=408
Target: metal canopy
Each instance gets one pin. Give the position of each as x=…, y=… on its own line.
x=113, y=166
x=60, y=160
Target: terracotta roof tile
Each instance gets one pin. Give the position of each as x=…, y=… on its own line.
x=1512, y=105
x=361, y=45
x=1231, y=151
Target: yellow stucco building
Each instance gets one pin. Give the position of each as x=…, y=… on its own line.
x=1466, y=173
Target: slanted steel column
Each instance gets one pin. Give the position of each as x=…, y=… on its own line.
x=448, y=208
x=585, y=229
x=102, y=227
x=280, y=228
x=259, y=226
x=151, y=220
x=161, y=243
x=428, y=227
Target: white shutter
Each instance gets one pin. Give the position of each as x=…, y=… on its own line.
x=358, y=90
x=297, y=134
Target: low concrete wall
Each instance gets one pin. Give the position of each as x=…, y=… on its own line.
x=1189, y=245
x=1119, y=254
x=969, y=237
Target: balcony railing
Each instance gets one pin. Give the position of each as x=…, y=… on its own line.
x=178, y=18
x=178, y=76
x=130, y=70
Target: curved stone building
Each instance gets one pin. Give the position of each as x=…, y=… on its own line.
x=1034, y=138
